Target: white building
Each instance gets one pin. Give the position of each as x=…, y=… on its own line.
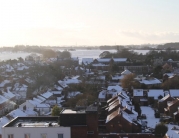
x=35, y=127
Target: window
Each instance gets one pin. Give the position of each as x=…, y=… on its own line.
x=60, y=135
x=44, y=135
x=26, y=135
x=10, y=136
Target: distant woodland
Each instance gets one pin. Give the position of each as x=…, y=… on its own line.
x=40, y=49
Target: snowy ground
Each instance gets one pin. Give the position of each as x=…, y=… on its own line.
x=151, y=120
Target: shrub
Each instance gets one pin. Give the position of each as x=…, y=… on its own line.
x=160, y=129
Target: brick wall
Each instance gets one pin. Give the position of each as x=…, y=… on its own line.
x=79, y=132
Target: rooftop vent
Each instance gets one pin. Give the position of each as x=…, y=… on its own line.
x=50, y=124
x=19, y=124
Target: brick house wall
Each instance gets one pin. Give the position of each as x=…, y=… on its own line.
x=127, y=135
x=119, y=123
x=173, y=108
x=163, y=104
x=78, y=131
x=92, y=124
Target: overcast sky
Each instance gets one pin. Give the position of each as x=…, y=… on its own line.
x=88, y=22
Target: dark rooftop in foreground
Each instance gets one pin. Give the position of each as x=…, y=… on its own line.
x=71, y=111
x=91, y=108
x=34, y=122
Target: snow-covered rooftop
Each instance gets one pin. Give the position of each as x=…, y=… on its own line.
x=103, y=59
x=43, y=106
x=37, y=100
x=3, y=83
x=117, y=77
x=56, y=92
x=46, y=94
x=126, y=72
x=138, y=92
x=58, y=88
x=8, y=95
x=174, y=92
x=16, y=113
x=3, y=99
x=87, y=61
x=150, y=81
x=102, y=94
x=73, y=80
x=73, y=94
x=3, y=120
x=155, y=93
x=117, y=88
x=99, y=65
x=30, y=112
x=41, y=98
x=63, y=83
x=120, y=59
x=164, y=98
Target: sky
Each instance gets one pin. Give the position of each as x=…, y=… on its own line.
x=88, y=22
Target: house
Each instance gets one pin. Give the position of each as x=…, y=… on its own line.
x=99, y=66
x=174, y=93
x=62, y=84
x=83, y=122
x=78, y=71
x=21, y=90
x=166, y=76
x=148, y=81
x=3, y=120
x=176, y=115
x=126, y=72
x=120, y=112
x=15, y=113
x=126, y=135
x=37, y=127
x=87, y=61
x=21, y=67
x=167, y=67
x=140, y=69
x=113, y=106
x=162, y=103
x=109, y=60
x=4, y=83
x=3, y=104
x=102, y=96
x=140, y=96
x=123, y=121
x=73, y=94
x=69, y=80
x=172, y=107
x=112, y=91
x=10, y=103
x=41, y=108
x=9, y=70
x=37, y=104
x=154, y=95
x=9, y=95
x=116, y=120
x=116, y=78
